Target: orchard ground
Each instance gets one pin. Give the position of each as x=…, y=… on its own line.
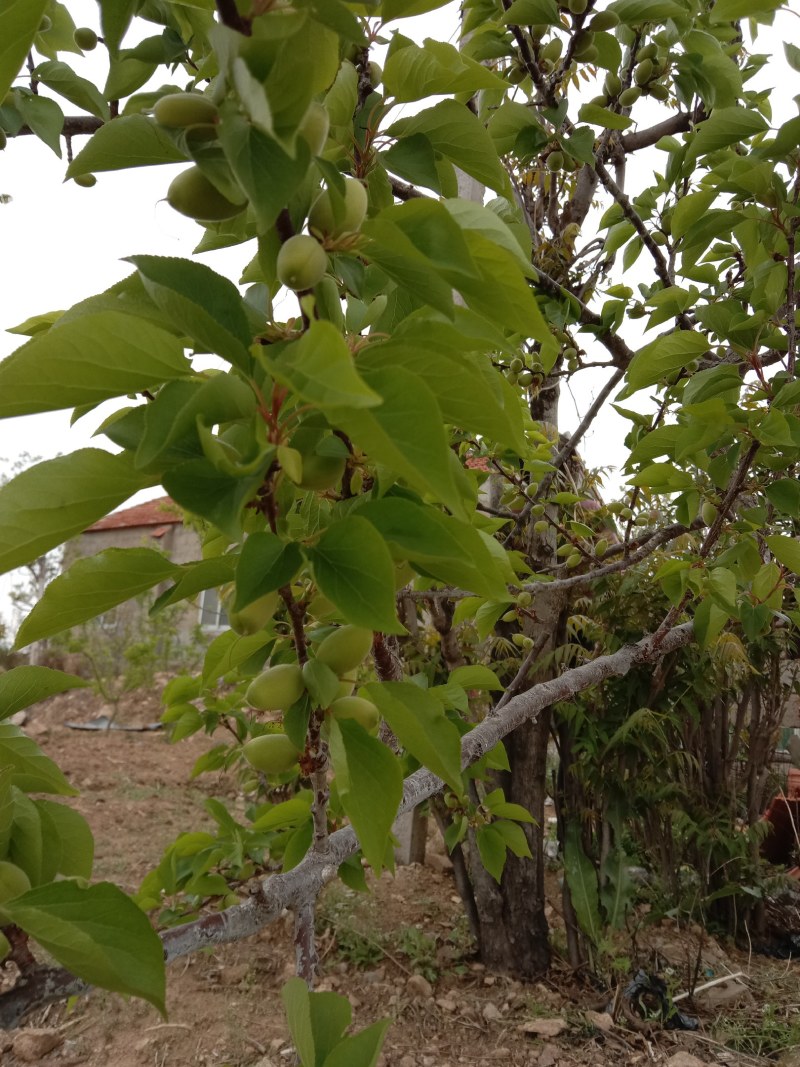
x=403, y=951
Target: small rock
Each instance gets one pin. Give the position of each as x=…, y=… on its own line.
x=725, y=995
x=600, y=1020
x=30, y=1045
x=544, y=1027
x=417, y=986
x=491, y=1013
x=548, y=1057
x=684, y=1059
x=407, y=1061
x=445, y=1004
x=438, y=863
x=19, y=718
x=790, y=1058
x=371, y=977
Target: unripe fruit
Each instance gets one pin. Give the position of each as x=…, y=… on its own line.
x=276, y=688
x=601, y=547
x=193, y=195
x=584, y=41
x=314, y=127
x=322, y=472
x=271, y=753
x=570, y=353
x=625, y=513
x=708, y=512
x=510, y=616
x=254, y=616
x=577, y=7
x=516, y=365
x=13, y=881
x=346, y=686
x=643, y=72
x=518, y=639
x=515, y=74
x=659, y=92
x=573, y=562
x=301, y=263
x=612, y=84
x=86, y=181
x=552, y=50
x=322, y=217
x=181, y=110
x=658, y=237
x=524, y=599
x=555, y=161
x=628, y=97
x=85, y=38
x=649, y=51
x=3, y=139
x=525, y=378
x=375, y=74
x=604, y=20
x=362, y=711
x=541, y=526
x=345, y=649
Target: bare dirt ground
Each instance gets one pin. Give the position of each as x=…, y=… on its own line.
x=401, y=951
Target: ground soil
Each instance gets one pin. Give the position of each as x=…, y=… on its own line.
x=402, y=951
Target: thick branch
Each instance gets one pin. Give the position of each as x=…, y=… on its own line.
x=679, y=123
x=294, y=888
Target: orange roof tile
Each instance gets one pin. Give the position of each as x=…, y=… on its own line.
x=151, y=513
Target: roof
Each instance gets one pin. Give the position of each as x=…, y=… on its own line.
x=158, y=512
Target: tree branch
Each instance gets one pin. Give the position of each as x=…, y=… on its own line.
x=679, y=123
x=296, y=887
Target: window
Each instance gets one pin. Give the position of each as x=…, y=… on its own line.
x=212, y=614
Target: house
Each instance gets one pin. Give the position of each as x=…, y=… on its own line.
x=154, y=524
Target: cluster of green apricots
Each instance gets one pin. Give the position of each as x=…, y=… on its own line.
x=279, y=687
x=302, y=260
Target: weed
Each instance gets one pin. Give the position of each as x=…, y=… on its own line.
x=774, y=1032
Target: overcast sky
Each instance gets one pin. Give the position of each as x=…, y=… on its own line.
x=62, y=243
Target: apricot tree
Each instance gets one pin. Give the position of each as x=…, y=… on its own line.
x=378, y=465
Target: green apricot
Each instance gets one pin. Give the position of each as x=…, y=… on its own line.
x=708, y=512
x=658, y=237
x=552, y=50
x=658, y=92
x=584, y=41
x=86, y=181
x=276, y=688
x=612, y=84
x=181, y=110
x=649, y=51
x=643, y=72
x=555, y=161
x=628, y=97
x=301, y=263
x=13, y=881
x=345, y=648
x=577, y=7
x=363, y=711
x=314, y=127
x=604, y=20
x=375, y=74
x=601, y=547
x=85, y=38
x=322, y=472
x=573, y=562
x=346, y=686
x=254, y=616
x=322, y=216
x=271, y=753
x=192, y=194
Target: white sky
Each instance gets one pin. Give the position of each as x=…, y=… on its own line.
x=61, y=243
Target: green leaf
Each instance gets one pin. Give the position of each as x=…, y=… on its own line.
x=786, y=550
x=532, y=13
x=637, y=12
x=353, y=568
x=405, y=433
x=201, y=302
x=33, y=772
x=228, y=650
x=661, y=357
x=19, y=22
x=722, y=589
x=91, y=586
x=403, y=9
x=726, y=126
x=476, y=676
x=296, y=1002
x=86, y=360
x=25, y=844
x=331, y=1014
x=582, y=881
x=193, y=578
x=361, y=1049
x=731, y=10
x=419, y=721
x=462, y=138
x=63, y=80
x=618, y=888
x=288, y=813
x=514, y=837
x=321, y=682
x=265, y=171
x=265, y=564
x=44, y=117
x=98, y=933
x=54, y=500
x=68, y=845
x=447, y=548
x=212, y=494
x=691, y=208
x=370, y=786
x=115, y=18
x=602, y=116
x=492, y=850
x=22, y=686
x=709, y=619
x=320, y=369
x=128, y=141
x=412, y=72
x=785, y=496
